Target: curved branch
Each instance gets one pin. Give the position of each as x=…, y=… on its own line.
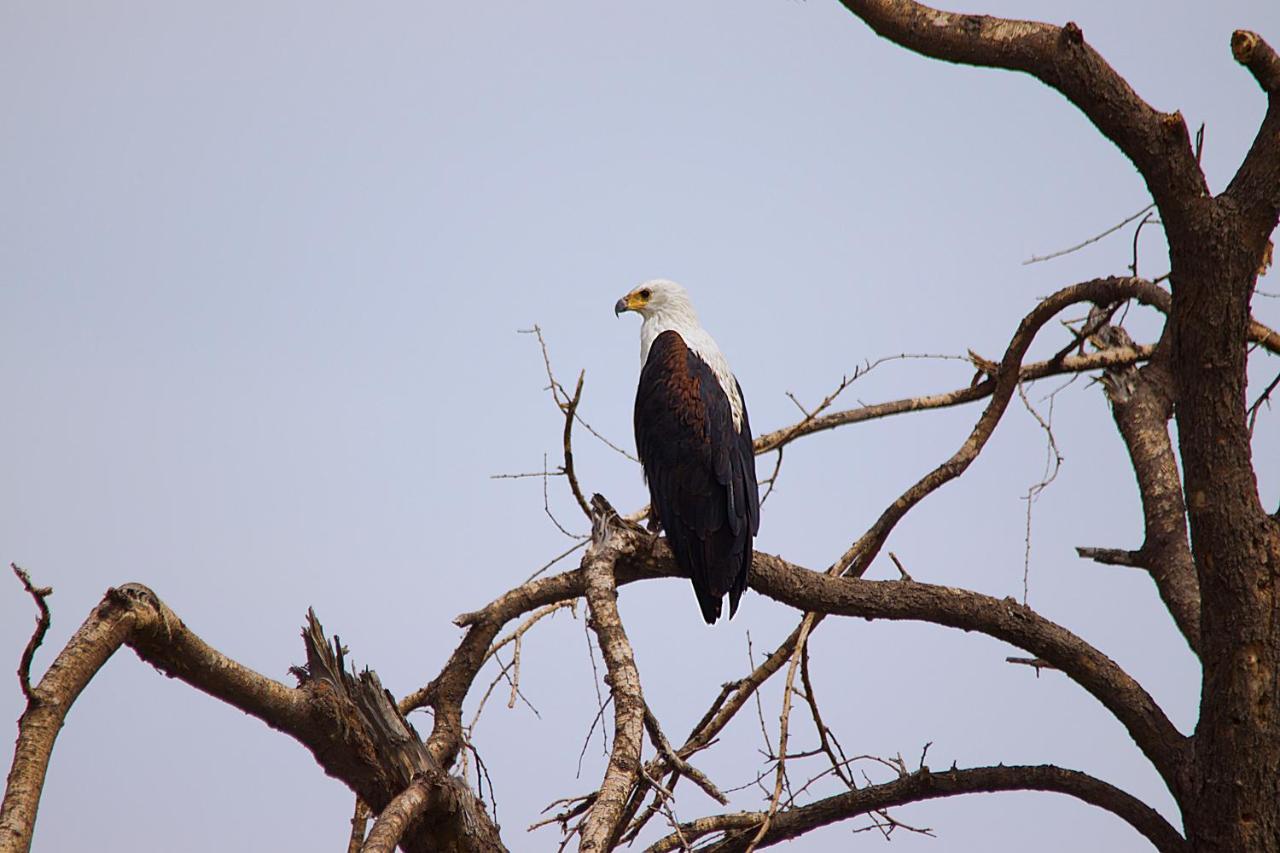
x=570, y=410
x=389, y=828
x=88, y=649
x=38, y=594
x=1005, y=620
x=1156, y=143
x=927, y=785
x=1100, y=291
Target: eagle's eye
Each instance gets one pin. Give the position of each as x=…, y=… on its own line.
x=644, y=294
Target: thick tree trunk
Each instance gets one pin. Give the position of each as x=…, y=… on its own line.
x=1233, y=800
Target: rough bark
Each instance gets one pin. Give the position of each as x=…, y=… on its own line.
x=1236, y=806
x=604, y=820
x=1142, y=404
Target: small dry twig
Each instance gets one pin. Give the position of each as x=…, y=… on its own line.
x=43, y=621
x=901, y=571
x=1264, y=397
x=1036, y=663
x=1035, y=259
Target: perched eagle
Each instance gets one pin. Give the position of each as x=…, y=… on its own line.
x=694, y=441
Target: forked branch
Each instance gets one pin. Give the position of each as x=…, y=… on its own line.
x=1101, y=291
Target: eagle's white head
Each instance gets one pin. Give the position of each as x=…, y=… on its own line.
x=665, y=306
x=659, y=298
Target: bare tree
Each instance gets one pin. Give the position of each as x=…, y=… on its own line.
x=1209, y=545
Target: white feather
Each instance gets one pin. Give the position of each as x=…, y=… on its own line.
x=669, y=309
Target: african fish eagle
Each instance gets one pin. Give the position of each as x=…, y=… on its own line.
x=694, y=442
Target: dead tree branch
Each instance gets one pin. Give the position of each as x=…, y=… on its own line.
x=638, y=558
x=390, y=826
x=925, y=785
x=1036, y=259
x=1099, y=291
x=968, y=394
x=1141, y=405
x=347, y=722
x=1157, y=143
x=604, y=822
x=570, y=409
x=359, y=823
x=43, y=620
x=682, y=767
x=1003, y=619
x=1256, y=184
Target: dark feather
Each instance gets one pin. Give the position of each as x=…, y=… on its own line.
x=701, y=471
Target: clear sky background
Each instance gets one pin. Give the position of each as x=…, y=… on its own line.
x=262, y=269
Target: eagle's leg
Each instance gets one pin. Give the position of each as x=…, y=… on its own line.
x=654, y=526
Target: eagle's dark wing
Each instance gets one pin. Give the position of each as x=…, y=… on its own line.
x=700, y=469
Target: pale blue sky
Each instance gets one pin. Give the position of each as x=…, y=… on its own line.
x=261, y=274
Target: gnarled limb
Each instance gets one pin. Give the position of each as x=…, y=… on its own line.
x=1156, y=143
x=354, y=731
x=926, y=785
x=603, y=822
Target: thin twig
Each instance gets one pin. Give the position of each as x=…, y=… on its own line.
x=1035, y=259
x=901, y=571
x=555, y=560
x=784, y=721
x=773, y=478
x=812, y=698
x=1036, y=663
x=546, y=505
x=1264, y=397
x=38, y=594
x=663, y=746
x=570, y=408
x=526, y=475
x=601, y=704
x=1053, y=460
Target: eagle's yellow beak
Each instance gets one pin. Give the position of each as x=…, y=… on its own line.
x=626, y=303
